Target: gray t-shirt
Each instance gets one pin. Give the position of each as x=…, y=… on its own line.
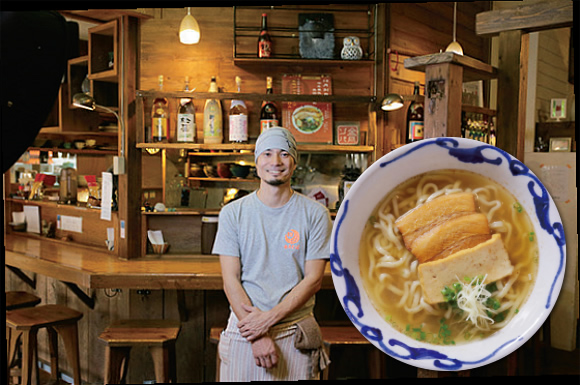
x=273, y=244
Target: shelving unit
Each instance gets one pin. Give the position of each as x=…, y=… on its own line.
x=103, y=67
x=283, y=27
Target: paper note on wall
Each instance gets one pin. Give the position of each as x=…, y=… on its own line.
x=106, y=195
x=69, y=223
x=32, y=215
x=556, y=179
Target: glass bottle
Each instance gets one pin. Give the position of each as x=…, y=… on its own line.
x=414, y=130
x=213, y=118
x=160, y=117
x=264, y=41
x=238, y=118
x=186, y=126
x=269, y=111
x=350, y=174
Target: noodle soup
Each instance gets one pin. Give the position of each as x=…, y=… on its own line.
x=474, y=308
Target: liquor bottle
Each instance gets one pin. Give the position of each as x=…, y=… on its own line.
x=415, y=118
x=186, y=126
x=238, y=118
x=212, y=118
x=350, y=173
x=160, y=117
x=269, y=111
x=264, y=41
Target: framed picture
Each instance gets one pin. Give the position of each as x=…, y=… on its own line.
x=558, y=109
x=473, y=93
x=560, y=144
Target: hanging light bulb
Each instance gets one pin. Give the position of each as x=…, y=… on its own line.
x=189, y=32
x=454, y=46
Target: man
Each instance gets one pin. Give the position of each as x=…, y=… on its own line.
x=273, y=246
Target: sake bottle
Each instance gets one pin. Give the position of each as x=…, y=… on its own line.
x=213, y=118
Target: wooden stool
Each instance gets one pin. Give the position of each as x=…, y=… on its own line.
x=57, y=319
x=158, y=335
x=20, y=299
x=16, y=300
x=345, y=336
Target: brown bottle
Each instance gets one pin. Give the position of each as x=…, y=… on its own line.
x=414, y=130
x=264, y=41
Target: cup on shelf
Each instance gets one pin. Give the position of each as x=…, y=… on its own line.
x=90, y=143
x=79, y=145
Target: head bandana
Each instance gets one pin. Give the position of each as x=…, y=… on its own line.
x=276, y=137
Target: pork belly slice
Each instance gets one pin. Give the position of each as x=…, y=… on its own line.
x=452, y=234
x=423, y=218
x=489, y=257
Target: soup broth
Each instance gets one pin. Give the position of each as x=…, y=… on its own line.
x=390, y=272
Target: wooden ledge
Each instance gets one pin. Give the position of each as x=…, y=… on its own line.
x=95, y=269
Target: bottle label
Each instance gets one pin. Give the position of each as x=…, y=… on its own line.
x=264, y=48
x=186, y=128
x=347, y=184
x=267, y=123
x=415, y=130
x=238, y=128
x=159, y=128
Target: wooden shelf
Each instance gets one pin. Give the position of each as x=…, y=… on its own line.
x=254, y=61
x=228, y=180
x=75, y=150
x=321, y=148
x=260, y=97
x=473, y=69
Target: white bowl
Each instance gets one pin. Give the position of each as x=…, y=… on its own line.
x=417, y=158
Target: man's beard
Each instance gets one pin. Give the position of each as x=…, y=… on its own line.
x=275, y=182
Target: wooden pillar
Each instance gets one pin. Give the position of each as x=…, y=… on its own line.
x=130, y=181
x=511, y=92
x=442, y=110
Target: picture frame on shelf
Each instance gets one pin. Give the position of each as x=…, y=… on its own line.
x=560, y=144
x=558, y=109
x=472, y=94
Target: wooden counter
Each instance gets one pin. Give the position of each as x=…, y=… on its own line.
x=91, y=268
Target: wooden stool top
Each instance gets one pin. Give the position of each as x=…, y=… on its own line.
x=41, y=316
x=215, y=333
x=342, y=335
x=20, y=299
x=146, y=332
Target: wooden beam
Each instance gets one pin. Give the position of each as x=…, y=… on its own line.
x=528, y=18
x=508, y=94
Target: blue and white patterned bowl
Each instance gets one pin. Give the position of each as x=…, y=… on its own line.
x=417, y=158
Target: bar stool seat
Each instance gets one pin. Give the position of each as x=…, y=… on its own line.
x=58, y=320
x=348, y=336
x=20, y=299
x=158, y=335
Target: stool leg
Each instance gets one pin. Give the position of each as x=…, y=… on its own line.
x=163, y=362
x=29, y=364
x=70, y=339
x=53, y=347
x=116, y=362
x=12, y=339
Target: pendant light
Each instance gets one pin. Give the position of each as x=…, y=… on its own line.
x=454, y=46
x=189, y=32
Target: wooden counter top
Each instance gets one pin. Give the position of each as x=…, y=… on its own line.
x=91, y=268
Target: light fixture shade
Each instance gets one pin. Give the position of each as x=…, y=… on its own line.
x=85, y=101
x=392, y=102
x=454, y=47
x=189, y=32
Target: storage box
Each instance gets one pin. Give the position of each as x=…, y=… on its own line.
x=310, y=122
